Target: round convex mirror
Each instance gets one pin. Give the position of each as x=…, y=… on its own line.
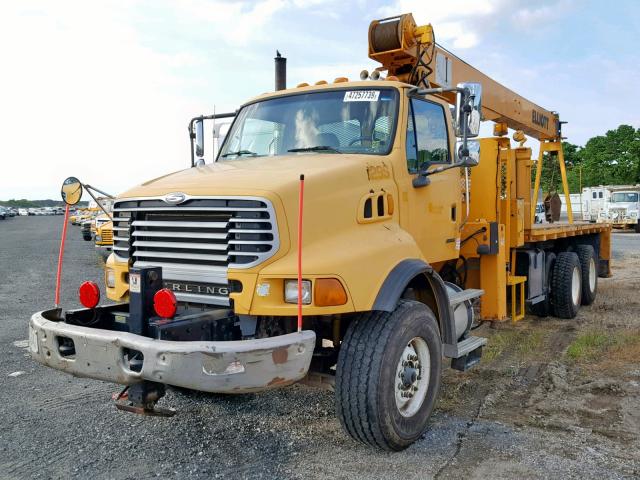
x=71, y=191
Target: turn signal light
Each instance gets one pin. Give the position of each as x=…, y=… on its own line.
x=89, y=294
x=165, y=303
x=329, y=292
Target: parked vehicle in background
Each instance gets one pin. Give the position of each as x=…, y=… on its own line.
x=616, y=204
x=624, y=204
x=23, y=212
x=11, y=212
x=87, y=234
x=540, y=218
x=104, y=236
x=595, y=201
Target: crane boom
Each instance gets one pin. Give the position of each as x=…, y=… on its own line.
x=411, y=54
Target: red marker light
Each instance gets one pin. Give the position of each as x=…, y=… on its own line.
x=89, y=294
x=165, y=303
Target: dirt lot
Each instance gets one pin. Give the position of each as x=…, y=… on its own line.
x=551, y=399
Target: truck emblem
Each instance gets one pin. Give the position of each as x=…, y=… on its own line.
x=175, y=198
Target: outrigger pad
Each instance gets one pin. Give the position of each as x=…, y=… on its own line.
x=152, y=412
x=142, y=398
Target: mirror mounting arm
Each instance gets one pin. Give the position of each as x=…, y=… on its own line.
x=202, y=118
x=422, y=180
x=431, y=91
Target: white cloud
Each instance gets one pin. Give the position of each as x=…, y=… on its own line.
x=540, y=15
x=462, y=24
x=456, y=22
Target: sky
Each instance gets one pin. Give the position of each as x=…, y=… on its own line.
x=104, y=90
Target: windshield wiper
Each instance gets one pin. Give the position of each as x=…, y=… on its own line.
x=317, y=148
x=240, y=152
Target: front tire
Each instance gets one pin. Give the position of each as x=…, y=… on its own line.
x=566, y=285
x=388, y=375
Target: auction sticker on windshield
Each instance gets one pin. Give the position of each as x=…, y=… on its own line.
x=361, y=96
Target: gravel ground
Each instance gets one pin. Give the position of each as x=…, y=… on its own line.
x=57, y=426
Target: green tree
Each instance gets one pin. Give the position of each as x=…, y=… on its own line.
x=613, y=158
x=551, y=179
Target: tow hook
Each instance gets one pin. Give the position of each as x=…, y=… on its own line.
x=141, y=398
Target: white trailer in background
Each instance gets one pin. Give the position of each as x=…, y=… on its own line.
x=578, y=208
x=595, y=203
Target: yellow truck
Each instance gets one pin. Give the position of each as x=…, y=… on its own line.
x=78, y=217
x=103, y=237
x=407, y=223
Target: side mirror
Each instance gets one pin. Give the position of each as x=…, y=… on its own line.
x=468, y=110
x=469, y=157
x=199, y=126
x=71, y=191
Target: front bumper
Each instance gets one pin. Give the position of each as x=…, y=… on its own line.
x=224, y=367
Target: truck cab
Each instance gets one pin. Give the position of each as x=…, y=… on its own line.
x=360, y=146
x=623, y=208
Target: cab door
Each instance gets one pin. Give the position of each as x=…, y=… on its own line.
x=431, y=214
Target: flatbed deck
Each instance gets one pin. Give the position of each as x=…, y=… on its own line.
x=551, y=231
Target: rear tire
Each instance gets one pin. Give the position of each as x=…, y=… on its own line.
x=589, y=269
x=383, y=357
x=637, y=227
x=566, y=285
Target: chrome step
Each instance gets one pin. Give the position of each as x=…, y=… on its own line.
x=469, y=353
x=467, y=345
x=465, y=295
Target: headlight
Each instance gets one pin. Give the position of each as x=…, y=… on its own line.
x=291, y=291
x=110, y=278
x=98, y=238
x=633, y=214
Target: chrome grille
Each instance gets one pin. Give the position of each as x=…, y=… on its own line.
x=197, y=240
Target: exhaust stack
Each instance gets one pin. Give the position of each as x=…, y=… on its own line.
x=281, y=71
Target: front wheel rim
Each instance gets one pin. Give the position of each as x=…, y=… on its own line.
x=412, y=377
x=575, y=286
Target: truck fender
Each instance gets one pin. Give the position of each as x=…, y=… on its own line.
x=396, y=283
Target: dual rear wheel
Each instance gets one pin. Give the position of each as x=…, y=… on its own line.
x=573, y=281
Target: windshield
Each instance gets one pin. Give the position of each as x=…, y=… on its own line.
x=335, y=121
x=624, y=197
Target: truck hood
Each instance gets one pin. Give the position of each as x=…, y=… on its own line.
x=623, y=206
x=255, y=176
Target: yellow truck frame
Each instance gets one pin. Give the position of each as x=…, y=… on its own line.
x=393, y=257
